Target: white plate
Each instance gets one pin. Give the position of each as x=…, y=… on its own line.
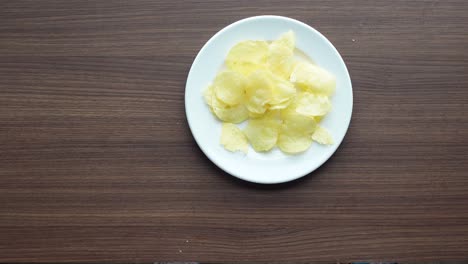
x=274, y=166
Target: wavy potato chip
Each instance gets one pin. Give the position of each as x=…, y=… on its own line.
x=262, y=133
x=280, y=55
x=282, y=91
x=233, y=139
x=280, y=61
x=273, y=116
x=313, y=78
x=322, y=136
x=294, y=122
x=247, y=56
x=254, y=115
x=296, y=131
x=208, y=95
x=312, y=105
x=286, y=40
x=294, y=143
x=281, y=105
x=295, y=134
x=231, y=114
x=229, y=87
x=258, y=92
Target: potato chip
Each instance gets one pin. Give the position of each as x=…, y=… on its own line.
x=312, y=105
x=313, y=78
x=262, y=133
x=281, y=105
x=254, y=115
x=229, y=87
x=282, y=91
x=280, y=61
x=294, y=122
x=250, y=51
x=247, y=56
x=208, y=97
x=273, y=116
x=295, y=134
x=230, y=114
x=258, y=92
x=294, y=143
x=322, y=136
x=296, y=131
x=280, y=55
x=286, y=40
x=233, y=139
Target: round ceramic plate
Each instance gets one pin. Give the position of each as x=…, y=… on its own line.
x=273, y=166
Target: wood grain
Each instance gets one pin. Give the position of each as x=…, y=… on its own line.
x=97, y=162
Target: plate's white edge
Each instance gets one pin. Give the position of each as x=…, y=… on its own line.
x=335, y=146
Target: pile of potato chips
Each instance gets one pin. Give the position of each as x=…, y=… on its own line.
x=282, y=98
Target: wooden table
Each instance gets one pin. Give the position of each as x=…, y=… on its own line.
x=97, y=162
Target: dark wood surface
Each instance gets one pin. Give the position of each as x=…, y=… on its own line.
x=97, y=162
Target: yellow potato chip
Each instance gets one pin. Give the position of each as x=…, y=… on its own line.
x=247, y=56
x=262, y=133
x=312, y=105
x=280, y=61
x=282, y=91
x=208, y=94
x=258, y=92
x=229, y=87
x=287, y=40
x=233, y=139
x=273, y=116
x=230, y=114
x=314, y=78
x=254, y=115
x=293, y=143
x=322, y=136
x=246, y=68
x=280, y=55
x=296, y=131
x=281, y=105
x=297, y=123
